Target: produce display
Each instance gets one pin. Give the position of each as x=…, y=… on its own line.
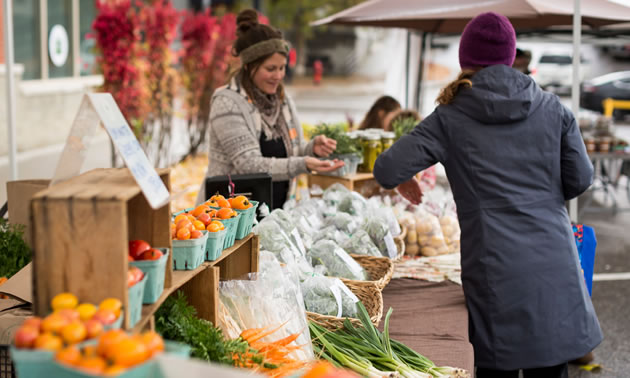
x=337, y=262
x=70, y=323
x=141, y=250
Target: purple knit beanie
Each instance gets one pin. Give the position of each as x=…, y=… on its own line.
x=488, y=39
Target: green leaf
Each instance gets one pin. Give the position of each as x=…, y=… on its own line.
x=14, y=252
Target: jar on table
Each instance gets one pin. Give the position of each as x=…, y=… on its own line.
x=387, y=139
x=372, y=147
x=604, y=144
x=589, y=142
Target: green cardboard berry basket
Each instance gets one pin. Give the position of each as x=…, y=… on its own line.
x=155, y=270
x=247, y=220
x=214, y=245
x=189, y=254
x=136, y=295
x=231, y=226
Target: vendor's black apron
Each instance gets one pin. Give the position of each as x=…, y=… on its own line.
x=275, y=148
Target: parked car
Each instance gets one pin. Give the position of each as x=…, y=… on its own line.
x=614, y=85
x=555, y=71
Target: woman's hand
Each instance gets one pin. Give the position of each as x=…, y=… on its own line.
x=323, y=146
x=411, y=191
x=314, y=164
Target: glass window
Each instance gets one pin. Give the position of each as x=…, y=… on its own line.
x=87, y=56
x=26, y=39
x=59, y=44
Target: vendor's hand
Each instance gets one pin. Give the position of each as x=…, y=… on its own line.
x=323, y=146
x=411, y=191
x=314, y=164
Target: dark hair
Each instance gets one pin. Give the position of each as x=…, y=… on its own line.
x=248, y=33
x=372, y=118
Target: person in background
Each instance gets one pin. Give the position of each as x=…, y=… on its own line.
x=513, y=155
x=291, y=63
x=380, y=114
x=253, y=123
x=522, y=60
x=399, y=115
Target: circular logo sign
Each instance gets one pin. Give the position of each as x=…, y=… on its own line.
x=58, y=45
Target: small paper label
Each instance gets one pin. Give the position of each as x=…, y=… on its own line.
x=354, y=266
x=298, y=240
x=392, y=251
x=337, y=294
x=347, y=291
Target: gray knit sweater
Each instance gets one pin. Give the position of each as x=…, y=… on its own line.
x=235, y=129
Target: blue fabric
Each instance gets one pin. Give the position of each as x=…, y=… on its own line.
x=586, y=243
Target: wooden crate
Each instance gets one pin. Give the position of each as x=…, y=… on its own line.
x=81, y=229
x=80, y=233
x=19, y=195
x=363, y=183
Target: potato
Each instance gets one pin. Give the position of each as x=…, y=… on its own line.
x=436, y=241
x=423, y=228
x=428, y=251
x=412, y=237
x=423, y=240
x=448, y=230
x=412, y=249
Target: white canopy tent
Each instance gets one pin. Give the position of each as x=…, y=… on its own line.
x=450, y=16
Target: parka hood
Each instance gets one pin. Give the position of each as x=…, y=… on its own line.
x=499, y=94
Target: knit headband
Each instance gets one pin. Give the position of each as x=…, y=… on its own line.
x=264, y=48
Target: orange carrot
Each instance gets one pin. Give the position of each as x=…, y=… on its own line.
x=259, y=335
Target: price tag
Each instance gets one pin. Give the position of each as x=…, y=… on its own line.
x=392, y=251
x=346, y=291
x=337, y=294
x=298, y=240
x=354, y=266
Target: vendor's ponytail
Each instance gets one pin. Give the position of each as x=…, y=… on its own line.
x=448, y=93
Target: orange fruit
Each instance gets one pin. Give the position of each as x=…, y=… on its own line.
x=35, y=322
x=86, y=311
x=219, y=223
x=183, y=234
x=90, y=351
x=212, y=203
x=130, y=352
x=68, y=356
x=213, y=227
x=199, y=225
x=199, y=210
x=153, y=341
x=223, y=203
x=184, y=223
x=191, y=218
x=230, y=201
x=25, y=336
x=196, y=234
x=225, y=213
x=54, y=323
x=216, y=197
x=93, y=365
x=71, y=314
x=204, y=218
x=180, y=217
x=74, y=333
x=114, y=370
x=48, y=341
x=108, y=342
x=94, y=328
x=112, y=304
x=173, y=230
x=241, y=203
x=64, y=300
x=105, y=317
x=319, y=369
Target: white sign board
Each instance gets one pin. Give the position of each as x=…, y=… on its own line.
x=58, y=45
x=101, y=108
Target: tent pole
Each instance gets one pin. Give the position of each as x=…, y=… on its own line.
x=8, y=63
x=407, y=57
x=575, y=89
x=423, y=57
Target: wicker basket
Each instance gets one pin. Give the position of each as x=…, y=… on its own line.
x=380, y=270
x=368, y=293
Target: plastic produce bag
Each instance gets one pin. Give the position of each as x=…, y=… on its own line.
x=275, y=240
x=360, y=243
x=337, y=261
x=451, y=232
x=343, y=222
x=429, y=232
x=379, y=232
x=330, y=233
x=383, y=209
x=332, y=195
x=284, y=220
x=269, y=299
x=328, y=296
x=352, y=203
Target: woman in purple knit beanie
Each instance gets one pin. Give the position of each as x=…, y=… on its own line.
x=513, y=155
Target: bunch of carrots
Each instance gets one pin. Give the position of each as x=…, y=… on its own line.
x=270, y=358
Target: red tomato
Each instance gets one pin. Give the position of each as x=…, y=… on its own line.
x=134, y=275
x=129, y=258
x=137, y=247
x=151, y=254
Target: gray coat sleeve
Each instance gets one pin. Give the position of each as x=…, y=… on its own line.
x=420, y=149
x=241, y=146
x=576, y=168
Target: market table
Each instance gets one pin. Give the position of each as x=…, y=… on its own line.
x=609, y=167
x=432, y=319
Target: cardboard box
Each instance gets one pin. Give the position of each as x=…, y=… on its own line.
x=15, y=310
